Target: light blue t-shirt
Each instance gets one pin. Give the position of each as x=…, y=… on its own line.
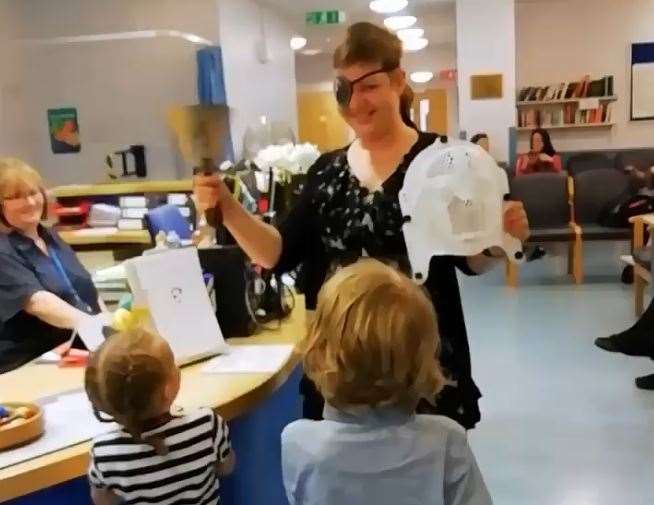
x=380, y=457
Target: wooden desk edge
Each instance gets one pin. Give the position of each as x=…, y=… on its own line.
x=120, y=237
x=39, y=473
x=122, y=188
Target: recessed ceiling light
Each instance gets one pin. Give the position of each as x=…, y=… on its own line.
x=310, y=52
x=414, y=44
x=421, y=77
x=400, y=22
x=388, y=6
x=410, y=33
x=298, y=43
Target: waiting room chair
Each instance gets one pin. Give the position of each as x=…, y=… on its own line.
x=640, y=159
x=642, y=259
x=584, y=162
x=167, y=218
x=546, y=201
x=592, y=191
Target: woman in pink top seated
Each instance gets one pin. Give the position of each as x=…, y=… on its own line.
x=541, y=157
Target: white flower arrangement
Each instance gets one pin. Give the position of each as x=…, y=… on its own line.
x=286, y=160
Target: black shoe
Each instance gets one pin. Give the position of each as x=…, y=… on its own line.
x=645, y=382
x=631, y=343
x=627, y=276
x=537, y=253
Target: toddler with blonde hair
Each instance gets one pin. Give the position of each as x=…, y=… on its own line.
x=372, y=353
x=155, y=456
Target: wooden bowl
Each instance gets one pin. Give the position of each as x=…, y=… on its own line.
x=13, y=434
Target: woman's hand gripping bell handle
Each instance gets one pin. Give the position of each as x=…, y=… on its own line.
x=260, y=241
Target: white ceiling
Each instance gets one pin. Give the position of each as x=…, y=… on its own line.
x=437, y=17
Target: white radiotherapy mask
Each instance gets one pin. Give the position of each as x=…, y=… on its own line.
x=452, y=203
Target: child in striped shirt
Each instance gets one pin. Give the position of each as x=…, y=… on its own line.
x=155, y=456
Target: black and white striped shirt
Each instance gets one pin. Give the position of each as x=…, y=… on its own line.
x=185, y=476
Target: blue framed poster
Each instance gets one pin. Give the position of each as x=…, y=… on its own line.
x=642, y=81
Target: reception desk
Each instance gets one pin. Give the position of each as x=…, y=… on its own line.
x=257, y=407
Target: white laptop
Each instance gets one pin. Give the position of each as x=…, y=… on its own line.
x=170, y=284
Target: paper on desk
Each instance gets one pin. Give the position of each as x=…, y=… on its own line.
x=89, y=330
x=250, y=359
x=94, y=232
x=114, y=273
x=69, y=420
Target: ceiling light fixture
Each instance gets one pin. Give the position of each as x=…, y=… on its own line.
x=298, y=43
x=412, y=45
x=310, y=52
x=421, y=77
x=388, y=6
x=400, y=22
x=411, y=33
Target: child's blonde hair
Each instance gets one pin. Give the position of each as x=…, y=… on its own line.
x=126, y=377
x=374, y=340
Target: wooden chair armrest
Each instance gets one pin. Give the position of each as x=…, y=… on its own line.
x=575, y=228
x=647, y=219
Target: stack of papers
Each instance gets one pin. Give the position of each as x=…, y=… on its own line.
x=250, y=359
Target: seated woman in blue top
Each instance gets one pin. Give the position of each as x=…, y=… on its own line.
x=370, y=351
x=44, y=290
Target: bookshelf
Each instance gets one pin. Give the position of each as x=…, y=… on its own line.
x=566, y=126
x=75, y=221
x=532, y=103
x=585, y=103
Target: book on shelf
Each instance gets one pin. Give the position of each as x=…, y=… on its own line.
x=570, y=90
x=130, y=224
x=133, y=201
x=134, y=212
x=523, y=93
x=179, y=199
x=533, y=95
x=608, y=85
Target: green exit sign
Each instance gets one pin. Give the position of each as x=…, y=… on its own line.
x=325, y=17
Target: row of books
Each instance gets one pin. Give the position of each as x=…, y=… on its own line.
x=567, y=115
x=134, y=208
x=565, y=90
x=127, y=215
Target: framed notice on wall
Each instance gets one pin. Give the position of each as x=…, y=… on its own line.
x=64, y=130
x=642, y=81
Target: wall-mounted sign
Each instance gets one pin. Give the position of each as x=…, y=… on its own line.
x=325, y=17
x=642, y=81
x=485, y=86
x=64, y=130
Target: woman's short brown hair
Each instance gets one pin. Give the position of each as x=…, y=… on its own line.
x=369, y=43
x=372, y=44
x=16, y=174
x=374, y=340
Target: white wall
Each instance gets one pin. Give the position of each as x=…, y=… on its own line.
x=256, y=89
x=121, y=89
x=486, y=45
x=561, y=40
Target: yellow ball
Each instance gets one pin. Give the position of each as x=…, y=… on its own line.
x=122, y=319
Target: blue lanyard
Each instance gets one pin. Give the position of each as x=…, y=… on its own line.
x=64, y=276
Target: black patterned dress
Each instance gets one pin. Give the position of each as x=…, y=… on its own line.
x=336, y=221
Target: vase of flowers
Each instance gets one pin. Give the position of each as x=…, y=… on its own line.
x=290, y=164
